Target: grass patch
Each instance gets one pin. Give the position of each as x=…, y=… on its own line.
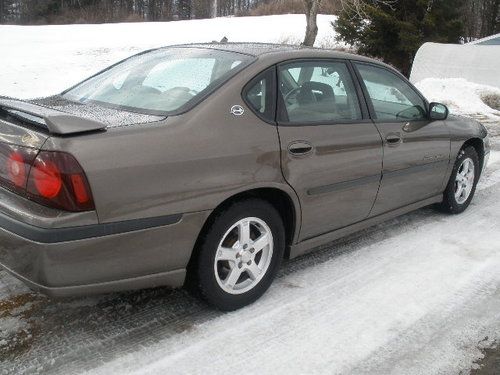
x=20, y=307
x=491, y=100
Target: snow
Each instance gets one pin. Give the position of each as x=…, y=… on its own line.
x=68, y=54
x=461, y=96
x=458, y=76
x=412, y=297
x=473, y=62
x=9, y=326
x=416, y=295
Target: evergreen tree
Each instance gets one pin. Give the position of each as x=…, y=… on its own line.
x=394, y=30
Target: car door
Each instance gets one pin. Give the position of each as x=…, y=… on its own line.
x=416, y=149
x=331, y=152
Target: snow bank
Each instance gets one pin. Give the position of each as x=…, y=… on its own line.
x=461, y=96
x=475, y=63
x=459, y=76
x=44, y=60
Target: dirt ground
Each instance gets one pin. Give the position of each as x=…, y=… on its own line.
x=490, y=364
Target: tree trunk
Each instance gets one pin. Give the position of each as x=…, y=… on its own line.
x=2, y=11
x=214, y=9
x=494, y=21
x=312, y=7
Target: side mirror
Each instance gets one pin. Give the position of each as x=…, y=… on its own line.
x=438, y=111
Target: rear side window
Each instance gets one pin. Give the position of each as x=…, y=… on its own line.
x=259, y=94
x=318, y=92
x=393, y=99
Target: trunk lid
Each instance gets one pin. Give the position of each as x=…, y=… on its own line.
x=58, y=116
x=22, y=129
x=41, y=119
x=26, y=125
x=110, y=117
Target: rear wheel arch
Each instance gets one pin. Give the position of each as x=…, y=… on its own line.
x=278, y=198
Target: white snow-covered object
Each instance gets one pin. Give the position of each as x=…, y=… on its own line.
x=489, y=40
x=478, y=63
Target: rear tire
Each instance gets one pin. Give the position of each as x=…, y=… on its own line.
x=240, y=254
x=463, y=181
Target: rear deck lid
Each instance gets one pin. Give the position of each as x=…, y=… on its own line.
x=43, y=119
x=58, y=116
x=92, y=111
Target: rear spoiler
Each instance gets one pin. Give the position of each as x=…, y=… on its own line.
x=55, y=122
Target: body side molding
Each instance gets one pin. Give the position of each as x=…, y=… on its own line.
x=310, y=244
x=55, y=235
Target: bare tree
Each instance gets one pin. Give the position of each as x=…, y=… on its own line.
x=357, y=6
x=312, y=8
x=214, y=8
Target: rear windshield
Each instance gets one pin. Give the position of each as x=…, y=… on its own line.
x=160, y=82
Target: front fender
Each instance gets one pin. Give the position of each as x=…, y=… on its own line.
x=463, y=129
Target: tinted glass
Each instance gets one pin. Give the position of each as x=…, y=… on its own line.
x=260, y=96
x=392, y=97
x=160, y=81
x=318, y=92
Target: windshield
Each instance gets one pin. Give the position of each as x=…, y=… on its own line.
x=163, y=81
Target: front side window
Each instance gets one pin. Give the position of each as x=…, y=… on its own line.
x=164, y=80
x=318, y=92
x=393, y=99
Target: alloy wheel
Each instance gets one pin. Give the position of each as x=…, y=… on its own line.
x=243, y=255
x=464, y=181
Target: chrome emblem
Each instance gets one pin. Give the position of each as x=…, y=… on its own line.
x=29, y=139
x=237, y=110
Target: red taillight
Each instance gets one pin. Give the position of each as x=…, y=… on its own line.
x=47, y=179
x=15, y=163
x=16, y=169
x=80, y=189
x=56, y=179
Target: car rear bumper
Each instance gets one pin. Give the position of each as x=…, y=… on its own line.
x=100, y=258
x=171, y=278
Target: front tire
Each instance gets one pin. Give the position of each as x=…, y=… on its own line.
x=463, y=181
x=240, y=254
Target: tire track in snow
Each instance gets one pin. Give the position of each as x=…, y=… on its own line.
x=315, y=328
x=365, y=298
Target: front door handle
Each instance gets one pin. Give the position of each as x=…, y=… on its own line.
x=298, y=148
x=393, y=139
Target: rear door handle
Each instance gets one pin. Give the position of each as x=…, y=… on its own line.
x=393, y=139
x=300, y=148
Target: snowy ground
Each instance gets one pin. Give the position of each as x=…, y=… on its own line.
x=416, y=295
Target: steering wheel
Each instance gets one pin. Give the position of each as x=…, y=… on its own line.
x=145, y=90
x=294, y=91
x=186, y=89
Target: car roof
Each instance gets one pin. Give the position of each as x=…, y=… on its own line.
x=253, y=49
x=286, y=50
